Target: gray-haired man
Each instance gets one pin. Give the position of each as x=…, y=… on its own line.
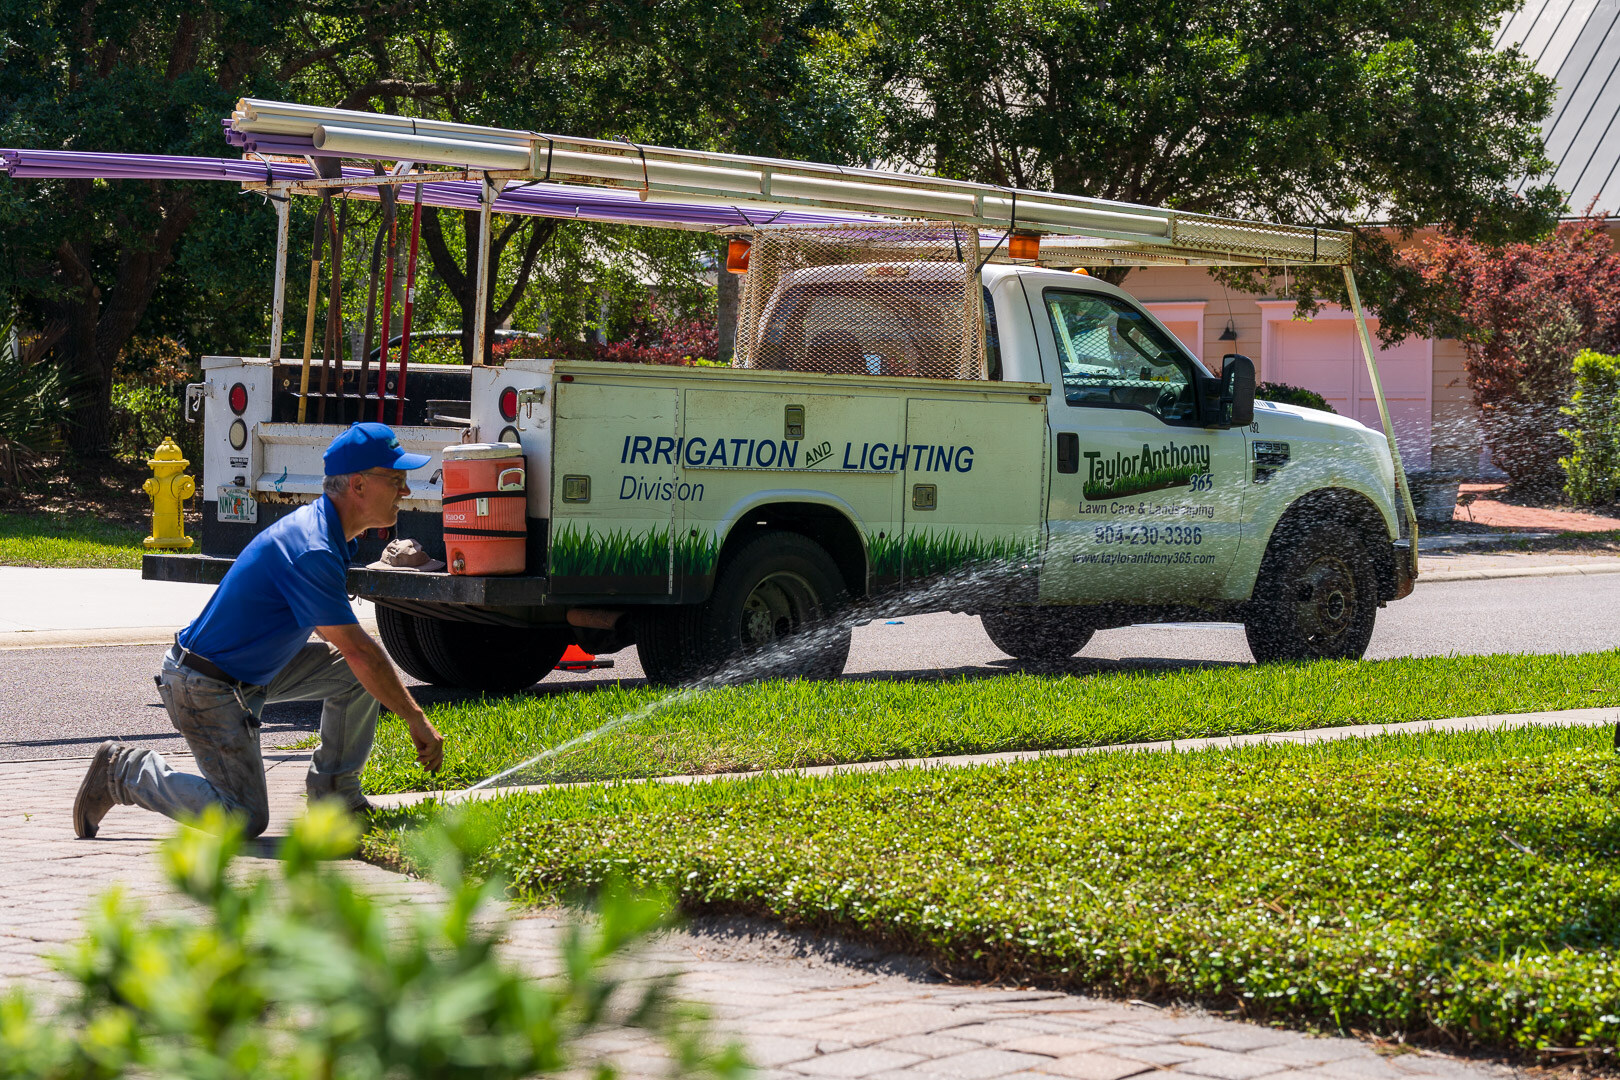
x=250, y=646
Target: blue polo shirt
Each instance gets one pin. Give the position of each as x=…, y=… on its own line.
x=290, y=579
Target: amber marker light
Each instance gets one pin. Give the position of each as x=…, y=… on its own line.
x=737, y=256
x=1024, y=245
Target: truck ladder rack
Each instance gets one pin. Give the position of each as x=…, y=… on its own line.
x=1116, y=232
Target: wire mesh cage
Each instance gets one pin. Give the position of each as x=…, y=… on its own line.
x=878, y=299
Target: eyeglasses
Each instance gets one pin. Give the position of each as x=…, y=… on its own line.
x=400, y=482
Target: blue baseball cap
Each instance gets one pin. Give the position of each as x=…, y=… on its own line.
x=369, y=446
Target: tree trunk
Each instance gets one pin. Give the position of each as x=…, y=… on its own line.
x=461, y=282
x=90, y=423
x=726, y=310
x=99, y=327
x=458, y=281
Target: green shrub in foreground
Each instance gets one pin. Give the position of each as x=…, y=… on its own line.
x=1465, y=887
x=307, y=978
x=797, y=723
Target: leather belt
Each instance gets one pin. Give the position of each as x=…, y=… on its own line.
x=204, y=666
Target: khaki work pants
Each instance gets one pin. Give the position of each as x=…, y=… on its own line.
x=220, y=723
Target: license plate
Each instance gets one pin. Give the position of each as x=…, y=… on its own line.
x=238, y=504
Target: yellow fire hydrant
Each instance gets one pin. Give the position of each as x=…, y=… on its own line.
x=168, y=488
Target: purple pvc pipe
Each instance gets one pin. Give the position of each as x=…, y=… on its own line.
x=541, y=200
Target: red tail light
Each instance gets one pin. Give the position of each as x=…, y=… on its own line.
x=508, y=404
x=238, y=399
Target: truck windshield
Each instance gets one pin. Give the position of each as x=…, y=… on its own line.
x=1113, y=356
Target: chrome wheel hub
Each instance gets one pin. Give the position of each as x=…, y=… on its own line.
x=777, y=607
x=1326, y=605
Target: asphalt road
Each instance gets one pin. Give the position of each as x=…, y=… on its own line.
x=62, y=702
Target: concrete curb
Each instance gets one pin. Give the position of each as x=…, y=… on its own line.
x=1515, y=572
x=1560, y=718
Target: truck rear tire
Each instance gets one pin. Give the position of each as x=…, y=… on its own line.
x=1316, y=598
x=778, y=586
x=398, y=632
x=1037, y=633
x=471, y=656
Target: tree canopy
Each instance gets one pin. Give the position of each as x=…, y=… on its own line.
x=1328, y=112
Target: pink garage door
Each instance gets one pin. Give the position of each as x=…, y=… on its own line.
x=1185, y=319
x=1323, y=354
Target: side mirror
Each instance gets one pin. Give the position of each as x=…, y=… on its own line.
x=1237, y=390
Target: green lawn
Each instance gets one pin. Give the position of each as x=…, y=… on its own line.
x=787, y=724
x=42, y=539
x=1465, y=887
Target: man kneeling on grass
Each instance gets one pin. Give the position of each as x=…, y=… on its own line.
x=250, y=646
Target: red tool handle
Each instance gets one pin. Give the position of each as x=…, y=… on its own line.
x=410, y=305
x=387, y=310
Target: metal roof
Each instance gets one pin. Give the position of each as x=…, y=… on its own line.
x=1576, y=43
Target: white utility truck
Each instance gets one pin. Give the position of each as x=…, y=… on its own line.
x=909, y=406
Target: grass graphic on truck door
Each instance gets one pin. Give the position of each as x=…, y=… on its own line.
x=625, y=553
x=1143, y=482
x=923, y=554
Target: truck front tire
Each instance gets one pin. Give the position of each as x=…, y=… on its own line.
x=1037, y=633
x=471, y=656
x=776, y=587
x=1316, y=598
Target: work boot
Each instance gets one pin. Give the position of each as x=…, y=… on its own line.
x=95, y=796
x=358, y=805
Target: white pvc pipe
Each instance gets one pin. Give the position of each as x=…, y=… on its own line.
x=1044, y=211
x=361, y=143
x=491, y=188
x=699, y=176
x=278, y=301
x=254, y=110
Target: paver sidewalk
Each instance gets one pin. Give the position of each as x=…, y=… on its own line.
x=800, y=1008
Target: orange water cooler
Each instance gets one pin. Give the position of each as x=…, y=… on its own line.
x=485, y=527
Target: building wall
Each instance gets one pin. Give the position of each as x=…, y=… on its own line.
x=1457, y=445
x=1454, y=433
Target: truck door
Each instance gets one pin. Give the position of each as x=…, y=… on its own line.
x=1145, y=502
x=613, y=499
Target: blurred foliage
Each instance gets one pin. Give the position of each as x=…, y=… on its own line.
x=308, y=977
x=652, y=335
x=1592, y=469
